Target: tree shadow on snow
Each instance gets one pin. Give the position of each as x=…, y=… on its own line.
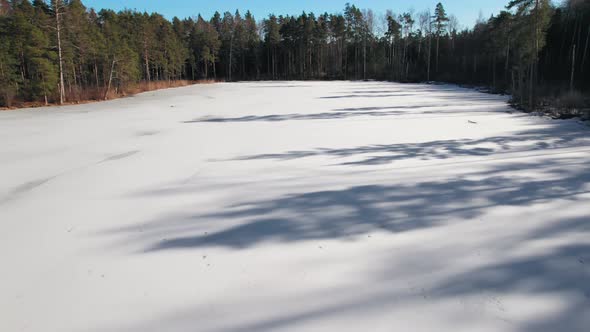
x=295, y=116
x=360, y=210
x=356, y=211
x=499, y=147
x=344, y=113
x=350, y=213
x=388, y=95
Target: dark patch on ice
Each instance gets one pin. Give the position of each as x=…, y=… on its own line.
x=282, y=86
x=120, y=156
x=375, y=91
x=148, y=133
x=24, y=188
x=370, y=96
x=292, y=117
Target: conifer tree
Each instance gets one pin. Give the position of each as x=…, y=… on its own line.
x=440, y=23
x=61, y=51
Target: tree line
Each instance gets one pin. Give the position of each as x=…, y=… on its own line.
x=60, y=51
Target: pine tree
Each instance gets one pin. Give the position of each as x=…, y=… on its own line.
x=272, y=39
x=111, y=52
x=252, y=41
x=338, y=31
x=58, y=8
x=533, y=17
x=392, y=34
x=9, y=79
x=440, y=23
x=227, y=39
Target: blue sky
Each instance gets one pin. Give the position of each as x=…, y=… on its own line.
x=466, y=10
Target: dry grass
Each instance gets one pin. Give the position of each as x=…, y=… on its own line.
x=566, y=105
x=89, y=95
x=150, y=86
x=571, y=100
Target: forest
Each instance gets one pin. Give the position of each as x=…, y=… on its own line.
x=59, y=51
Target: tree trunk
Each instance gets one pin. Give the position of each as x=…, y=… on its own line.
x=310, y=62
x=407, y=69
x=356, y=62
x=214, y=70
x=521, y=83
x=345, y=54
x=82, y=78
x=106, y=94
x=76, y=87
x=365, y=58
x=231, y=49
x=273, y=63
x=506, y=65
x=44, y=92
x=243, y=71
x=437, y=45
x=573, y=68
x=513, y=86
x=585, y=50
x=146, y=60
x=494, y=72
x=393, y=58
x=535, y=59
x=22, y=66
x=341, y=55
x=62, y=90
x=428, y=65
x=531, y=86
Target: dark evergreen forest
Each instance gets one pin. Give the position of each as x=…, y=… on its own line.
x=59, y=51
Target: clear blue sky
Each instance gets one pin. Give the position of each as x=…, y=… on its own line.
x=466, y=10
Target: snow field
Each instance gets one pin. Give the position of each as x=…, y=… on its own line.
x=294, y=206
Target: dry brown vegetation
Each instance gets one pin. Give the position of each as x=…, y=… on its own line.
x=89, y=95
x=565, y=104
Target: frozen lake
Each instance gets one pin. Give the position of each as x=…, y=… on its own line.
x=294, y=206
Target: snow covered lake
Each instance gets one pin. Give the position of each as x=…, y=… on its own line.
x=294, y=206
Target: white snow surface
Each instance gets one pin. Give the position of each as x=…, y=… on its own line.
x=294, y=206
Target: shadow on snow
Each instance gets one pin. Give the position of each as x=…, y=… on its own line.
x=352, y=212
